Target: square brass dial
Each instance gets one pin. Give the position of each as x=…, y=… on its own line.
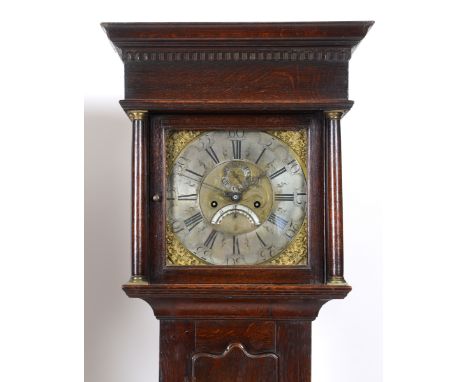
x=236, y=198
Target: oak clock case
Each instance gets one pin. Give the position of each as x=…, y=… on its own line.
x=237, y=225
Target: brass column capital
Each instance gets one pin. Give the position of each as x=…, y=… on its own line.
x=137, y=115
x=334, y=114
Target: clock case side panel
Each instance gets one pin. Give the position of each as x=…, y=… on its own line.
x=312, y=273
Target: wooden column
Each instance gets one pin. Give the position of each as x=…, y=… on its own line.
x=334, y=198
x=139, y=196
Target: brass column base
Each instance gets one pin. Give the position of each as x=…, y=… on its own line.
x=138, y=280
x=337, y=280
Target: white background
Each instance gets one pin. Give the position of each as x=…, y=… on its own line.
x=404, y=155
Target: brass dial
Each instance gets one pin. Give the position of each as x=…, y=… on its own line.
x=236, y=198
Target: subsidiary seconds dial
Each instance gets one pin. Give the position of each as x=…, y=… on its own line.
x=236, y=197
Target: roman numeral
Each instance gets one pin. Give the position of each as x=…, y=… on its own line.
x=237, y=149
x=187, y=197
x=278, y=173
x=193, y=221
x=259, y=238
x=212, y=154
x=278, y=221
x=210, y=239
x=284, y=197
x=235, y=245
x=290, y=233
x=178, y=230
x=258, y=159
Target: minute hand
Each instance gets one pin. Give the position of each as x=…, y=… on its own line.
x=224, y=192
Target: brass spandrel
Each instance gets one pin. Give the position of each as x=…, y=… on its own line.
x=297, y=141
x=176, y=140
x=295, y=253
x=177, y=254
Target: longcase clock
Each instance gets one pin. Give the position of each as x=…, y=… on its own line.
x=237, y=236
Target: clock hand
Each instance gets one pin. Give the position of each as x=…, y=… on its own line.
x=255, y=180
x=224, y=192
x=262, y=175
x=243, y=185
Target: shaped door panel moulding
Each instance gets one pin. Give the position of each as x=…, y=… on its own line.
x=235, y=365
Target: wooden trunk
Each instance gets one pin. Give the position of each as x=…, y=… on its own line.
x=235, y=351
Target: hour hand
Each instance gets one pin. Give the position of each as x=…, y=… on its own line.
x=254, y=180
